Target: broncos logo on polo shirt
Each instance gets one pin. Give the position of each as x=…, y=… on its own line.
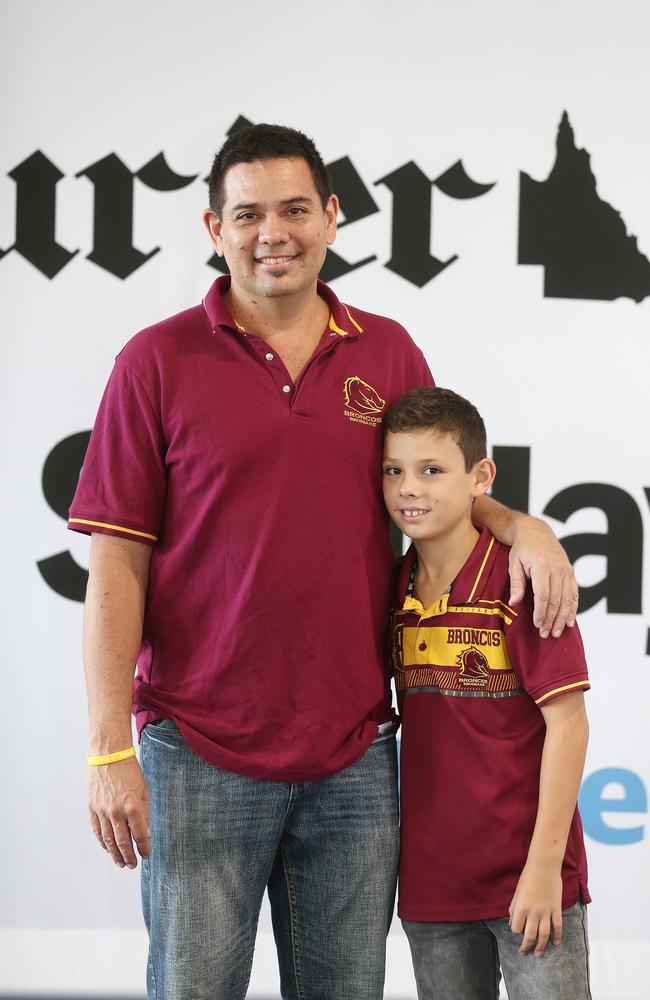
x=362, y=401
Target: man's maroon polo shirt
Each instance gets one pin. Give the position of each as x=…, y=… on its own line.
x=265, y=615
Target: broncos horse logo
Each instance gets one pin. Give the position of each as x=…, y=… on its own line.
x=472, y=663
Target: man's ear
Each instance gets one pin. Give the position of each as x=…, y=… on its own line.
x=331, y=215
x=483, y=475
x=213, y=226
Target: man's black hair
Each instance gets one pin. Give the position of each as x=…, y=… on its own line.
x=266, y=142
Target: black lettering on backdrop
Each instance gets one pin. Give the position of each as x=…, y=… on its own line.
x=411, y=257
x=60, y=476
x=512, y=484
x=36, y=180
x=622, y=544
x=113, y=223
x=356, y=203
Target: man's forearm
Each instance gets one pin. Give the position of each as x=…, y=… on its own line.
x=497, y=518
x=112, y=633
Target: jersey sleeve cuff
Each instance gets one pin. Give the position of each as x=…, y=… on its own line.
x=580, y=685
x=89, y=526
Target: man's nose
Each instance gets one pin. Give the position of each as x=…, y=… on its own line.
x=273, y=230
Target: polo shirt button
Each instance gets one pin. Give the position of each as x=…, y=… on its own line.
x=286, y=388
x=269, y=356
x=422, y=646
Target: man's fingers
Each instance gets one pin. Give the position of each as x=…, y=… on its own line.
x=123, y=842
x=568, y=609
x=137, y=820
x=97, y=829
x=108, y=836
x=550, y=612
x=517, y=582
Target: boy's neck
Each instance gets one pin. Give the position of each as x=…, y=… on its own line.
x=441, y=559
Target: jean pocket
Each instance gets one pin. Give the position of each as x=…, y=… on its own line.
x=164, y=731
x=385, y=731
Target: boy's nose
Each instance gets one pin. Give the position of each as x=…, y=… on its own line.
x=408, y=488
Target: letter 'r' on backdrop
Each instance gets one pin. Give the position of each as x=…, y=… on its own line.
x=493, y=164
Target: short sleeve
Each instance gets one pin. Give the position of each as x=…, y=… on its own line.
x=546, y=667
x=426, y=376
x=122, y=485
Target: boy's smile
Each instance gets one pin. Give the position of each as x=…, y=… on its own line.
x=427, y=489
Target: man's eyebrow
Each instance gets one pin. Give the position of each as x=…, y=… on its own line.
x=252, y=206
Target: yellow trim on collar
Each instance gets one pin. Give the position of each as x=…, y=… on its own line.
x=352, y=319
x=336, y=329
x=480, y=572
x=438, y=607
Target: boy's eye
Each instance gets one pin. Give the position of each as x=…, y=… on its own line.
x=391, y=470
x=431, y=470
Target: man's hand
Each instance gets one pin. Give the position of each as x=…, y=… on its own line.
x=536, y=908
x=537, y=555
x=119, y=814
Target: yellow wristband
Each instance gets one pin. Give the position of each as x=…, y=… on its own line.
x=111, y=758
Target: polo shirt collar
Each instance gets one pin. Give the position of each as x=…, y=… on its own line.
x=466, y=588
x=342, y=322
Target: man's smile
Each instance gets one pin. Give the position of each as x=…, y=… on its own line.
x=286, y=259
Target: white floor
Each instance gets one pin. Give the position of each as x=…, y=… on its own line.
x=111, y=963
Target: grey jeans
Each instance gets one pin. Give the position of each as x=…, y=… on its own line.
x=464, y=961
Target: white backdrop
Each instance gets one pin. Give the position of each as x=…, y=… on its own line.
x=565, y=377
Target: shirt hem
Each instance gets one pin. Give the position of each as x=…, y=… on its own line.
x=226, y=763
x=573, y=892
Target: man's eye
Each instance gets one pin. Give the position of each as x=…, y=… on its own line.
x=296, y=210
x=246, y=217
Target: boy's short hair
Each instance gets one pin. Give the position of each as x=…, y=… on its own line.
x=266, y=142
x=441, y=410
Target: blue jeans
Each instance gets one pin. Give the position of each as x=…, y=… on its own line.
x=462, y=961
x=327, y=851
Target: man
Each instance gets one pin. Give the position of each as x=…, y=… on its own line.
x=240, y=553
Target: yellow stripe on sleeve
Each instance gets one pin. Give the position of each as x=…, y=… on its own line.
x=567, y=687
x=113, y=527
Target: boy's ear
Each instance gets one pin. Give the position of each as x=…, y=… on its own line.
x=483, y=474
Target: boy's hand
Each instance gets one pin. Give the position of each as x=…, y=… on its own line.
x=536, y=907
x=537, y=555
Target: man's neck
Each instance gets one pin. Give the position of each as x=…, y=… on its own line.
x=282, y=315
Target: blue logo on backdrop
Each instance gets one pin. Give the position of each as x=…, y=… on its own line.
x=628, y=795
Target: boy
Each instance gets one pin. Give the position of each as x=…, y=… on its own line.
x=494, y=734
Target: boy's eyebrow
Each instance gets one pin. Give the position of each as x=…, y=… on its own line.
x=424, y=461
